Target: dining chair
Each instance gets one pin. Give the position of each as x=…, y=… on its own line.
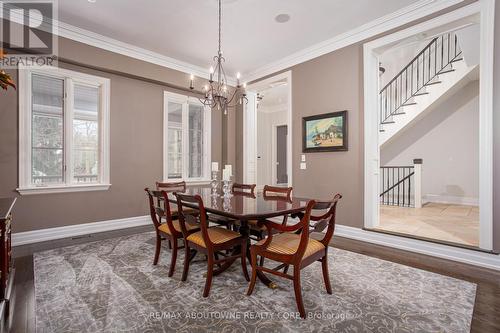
x=243, y=188
x=170, y=229
x=292, y=246
x=270, y=193
x=213, y=242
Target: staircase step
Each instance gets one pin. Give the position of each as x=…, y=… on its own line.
x=421, y=94
x=458, y=59
x=388, y=122
x=381, y=130
x=398, y=113
x=434, y=82
x=447, y=71
x=408, y=104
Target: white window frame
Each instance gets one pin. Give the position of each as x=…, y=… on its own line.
x=207, y=138
x=25, y=114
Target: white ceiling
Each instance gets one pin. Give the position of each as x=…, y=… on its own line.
x=187, y=29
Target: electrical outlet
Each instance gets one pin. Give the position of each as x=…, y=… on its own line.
x=303, y=158
x=303, y=166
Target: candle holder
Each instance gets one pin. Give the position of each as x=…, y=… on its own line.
x=215, y=183
x=226, y=188
x=226, y=204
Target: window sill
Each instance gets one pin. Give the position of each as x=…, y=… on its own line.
x=63, y=189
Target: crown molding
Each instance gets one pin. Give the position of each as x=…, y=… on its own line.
x=88, y=37
x=106, y=43
x=273, y=108
x=396, y=19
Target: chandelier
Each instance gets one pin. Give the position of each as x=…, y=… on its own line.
x=217, y=94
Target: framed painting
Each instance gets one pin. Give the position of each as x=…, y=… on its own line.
x=325, y=132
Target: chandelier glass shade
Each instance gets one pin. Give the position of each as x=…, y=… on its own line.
x=217, y=94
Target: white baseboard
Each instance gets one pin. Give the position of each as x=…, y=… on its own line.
x=478, y=258
x=43, y=235
x=450, y=199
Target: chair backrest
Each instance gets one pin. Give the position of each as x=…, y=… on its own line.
x=155, y=209
x=182, y=200
x=244, y=188
x=327, y=219
x=171, y=187
x=304, y=230
x=277, y=192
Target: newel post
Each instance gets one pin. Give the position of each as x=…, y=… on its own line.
x=417, y=167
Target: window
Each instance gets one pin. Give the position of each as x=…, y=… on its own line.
x=64, y=131
x=187, y=139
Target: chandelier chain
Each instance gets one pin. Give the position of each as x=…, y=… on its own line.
x=220, y=26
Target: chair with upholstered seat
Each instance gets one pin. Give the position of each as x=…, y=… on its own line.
x=292, y=246
x=212, y=242
x=270, y=193
x=170, y=229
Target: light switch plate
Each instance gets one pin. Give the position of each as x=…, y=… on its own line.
x=303, y=166
x=303, y=158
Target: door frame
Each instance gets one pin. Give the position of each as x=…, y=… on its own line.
x=250, y=132
x=485, y=11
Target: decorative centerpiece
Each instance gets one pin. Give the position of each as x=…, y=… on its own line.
x=215, y=178
x=227, y=173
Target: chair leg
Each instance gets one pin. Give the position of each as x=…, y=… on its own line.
x=253, y=257
x=261, y=262
x=244, y=260
x=174, y=257
x=187, y=258
x=326, y=276
x=298, y=291
x=158, y=247
x=285, y=270
x=210, y=272
x=169, y=244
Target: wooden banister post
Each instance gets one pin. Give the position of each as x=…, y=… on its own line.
x=417, y=165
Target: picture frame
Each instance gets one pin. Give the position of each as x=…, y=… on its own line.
x=325, y=132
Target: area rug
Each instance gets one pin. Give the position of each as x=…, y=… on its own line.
x=112, y=286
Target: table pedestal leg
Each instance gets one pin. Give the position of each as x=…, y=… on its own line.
x=245, y=232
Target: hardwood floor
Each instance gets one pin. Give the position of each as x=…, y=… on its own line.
x=450, y=223
x=486, y=309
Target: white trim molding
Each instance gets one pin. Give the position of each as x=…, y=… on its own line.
x=70, y=78
x=450, y=199
x=43, y=235
x=483, y=10
x=185, y=101
x=388, y=22
x=250, y=137
x=473, y=257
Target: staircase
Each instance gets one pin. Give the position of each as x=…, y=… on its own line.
x=436, y=72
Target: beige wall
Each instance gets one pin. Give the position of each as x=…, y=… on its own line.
x=330, y=83
x=135, y=145
x=334, y=82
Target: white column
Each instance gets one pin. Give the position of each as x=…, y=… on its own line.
x=417, y=164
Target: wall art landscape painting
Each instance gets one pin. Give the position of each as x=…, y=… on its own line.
x=325, y=132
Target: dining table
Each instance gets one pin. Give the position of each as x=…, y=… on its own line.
x=243, y=207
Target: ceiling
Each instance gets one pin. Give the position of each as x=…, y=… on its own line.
x=187, y=30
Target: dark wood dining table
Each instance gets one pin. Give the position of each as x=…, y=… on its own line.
x=244, y=207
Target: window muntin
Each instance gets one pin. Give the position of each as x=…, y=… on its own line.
x=63, y=130
x=187, y=139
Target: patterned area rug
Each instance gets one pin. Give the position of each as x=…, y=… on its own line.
x=112, y=286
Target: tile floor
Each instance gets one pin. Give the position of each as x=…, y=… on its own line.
x=445, y=222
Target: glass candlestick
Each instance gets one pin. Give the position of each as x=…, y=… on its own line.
x=226, y=187
x=214, y=182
